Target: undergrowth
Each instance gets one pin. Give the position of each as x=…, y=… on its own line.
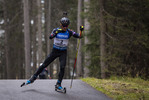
x=121, y=88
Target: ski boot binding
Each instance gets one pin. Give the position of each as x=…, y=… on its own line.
x=31, y=80
x=59, y=88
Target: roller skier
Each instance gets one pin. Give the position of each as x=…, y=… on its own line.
x=61, y=37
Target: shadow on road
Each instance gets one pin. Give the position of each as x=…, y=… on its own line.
x=39, y=92
x=55, y=95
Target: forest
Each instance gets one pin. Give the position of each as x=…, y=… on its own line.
x=115, y=38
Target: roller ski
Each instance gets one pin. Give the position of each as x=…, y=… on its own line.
x=31, y=80
x=59, y=88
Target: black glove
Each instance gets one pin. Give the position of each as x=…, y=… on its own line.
x=81, y=28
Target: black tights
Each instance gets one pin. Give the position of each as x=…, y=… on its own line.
x=51, y=57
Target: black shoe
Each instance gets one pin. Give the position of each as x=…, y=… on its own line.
x=32, y=79
x=58, y=86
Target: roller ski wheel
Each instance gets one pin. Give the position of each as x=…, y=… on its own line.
x=60, y=89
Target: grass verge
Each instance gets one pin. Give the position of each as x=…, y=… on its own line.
x=121, y=88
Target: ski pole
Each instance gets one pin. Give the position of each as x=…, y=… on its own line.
x=81, y=30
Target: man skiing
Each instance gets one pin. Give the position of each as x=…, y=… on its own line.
x=61, y=36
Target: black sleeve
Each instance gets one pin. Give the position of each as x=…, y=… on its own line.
x=53, y=34
x=74, y=34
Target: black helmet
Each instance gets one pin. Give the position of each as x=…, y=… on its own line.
x=65, y=21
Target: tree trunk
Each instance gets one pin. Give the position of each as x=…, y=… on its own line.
x=48, y=25
x=27, y=40
x=39, y=33
x=79, y=59
x=86, y=41
x=34, y=35
x=8, y=70
x=48, y=30
x=102, y=41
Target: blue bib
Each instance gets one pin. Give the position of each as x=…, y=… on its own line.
x=61, y=40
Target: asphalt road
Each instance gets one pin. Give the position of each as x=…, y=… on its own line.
x=45, y=90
